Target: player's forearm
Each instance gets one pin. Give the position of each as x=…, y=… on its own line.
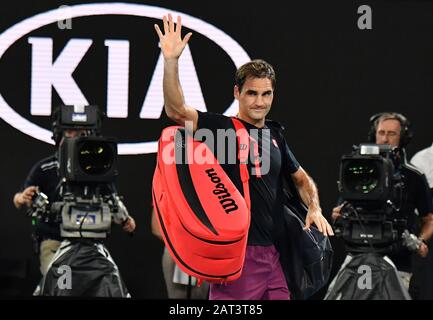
x=174, y=102
x=310, y=196
x=308, y=191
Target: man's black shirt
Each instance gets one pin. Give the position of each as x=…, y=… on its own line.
x=416, y=204
x=415, y=196
x=266, y=191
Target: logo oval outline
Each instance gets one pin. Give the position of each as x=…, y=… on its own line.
x=20, y=29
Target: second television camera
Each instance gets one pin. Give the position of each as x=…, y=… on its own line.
x=372, y=189
x=87, y=169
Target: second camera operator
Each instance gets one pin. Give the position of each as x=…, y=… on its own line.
x=393, y=129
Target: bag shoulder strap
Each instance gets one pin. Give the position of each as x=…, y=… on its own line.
x=291, y=194
x=243, y=152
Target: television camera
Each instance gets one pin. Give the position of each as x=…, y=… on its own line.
x=372, y=189
x=87, y=170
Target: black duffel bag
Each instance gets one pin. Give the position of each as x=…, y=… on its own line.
x=305, y=255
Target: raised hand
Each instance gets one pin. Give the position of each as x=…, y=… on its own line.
x=171, y=40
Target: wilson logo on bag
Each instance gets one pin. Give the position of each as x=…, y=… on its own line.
x=226, y=201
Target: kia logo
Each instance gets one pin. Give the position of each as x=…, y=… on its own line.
x=50, y=72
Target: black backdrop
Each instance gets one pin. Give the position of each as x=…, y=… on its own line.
x=331, y=78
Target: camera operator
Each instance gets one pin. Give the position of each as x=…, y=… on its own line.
x=43, y=177
x=44, y=180
x=394, y=129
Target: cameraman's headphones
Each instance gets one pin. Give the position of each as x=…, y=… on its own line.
x=405, y=135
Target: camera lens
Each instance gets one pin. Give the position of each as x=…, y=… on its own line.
x=361, y=176
x=95, y=157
